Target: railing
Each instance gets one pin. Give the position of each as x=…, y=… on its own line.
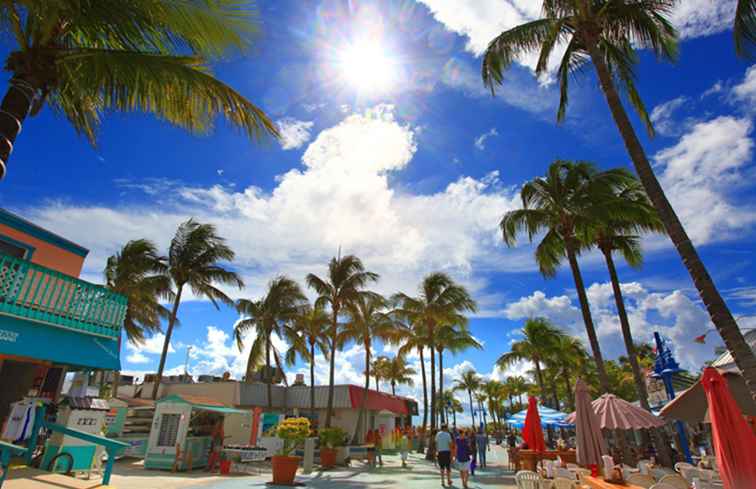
x=37, y=293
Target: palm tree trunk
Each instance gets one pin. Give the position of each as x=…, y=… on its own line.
x=431, y=452
x=554, y=393
x=117, y=373
x=425, y=401
x=312, y=377
x=167, y=342
x=377, y=381
x=627, y=335
x=715, y=305
x=472, y=407
x=363, y=407
x=587, y=318
x=441, y=384
x=393, y=388
x=331, y=379
x=568, y=388
x=15, y=107
x=268, y=375
x=539, y=379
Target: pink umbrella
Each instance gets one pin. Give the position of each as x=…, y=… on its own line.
x=615, y=413
x=590, y=441
x=532, y=433
x=734, y=442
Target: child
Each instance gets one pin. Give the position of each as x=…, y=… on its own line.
x=404, y=448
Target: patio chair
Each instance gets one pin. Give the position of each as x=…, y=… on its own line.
x=675, y=480
x=562, y=483
x=526, y=479
x=643, y=466
x=580, y=472
x=661, y=485
x=565, y=473
x=643, y=480
x=572, y=466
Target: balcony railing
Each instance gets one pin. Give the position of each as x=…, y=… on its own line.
x=37, y=293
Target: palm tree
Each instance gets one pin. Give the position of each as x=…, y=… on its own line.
x=137, y=271
x=312, y=323
x=469, y=381
x=367, y=320
x=378, y=369
x=346, y=279
x=451, y=404
x=558, y=204
x=540, y=337
x=456, y=340
x=441, y=301
x=619, y=230
x=87, y=58
x=495, y=392
x=566, y=358
x=399, y=373
x=272, y=315
x=194, y=258
x=517, y=385
x=415, y=337
x=744, y=27
x=607, y=33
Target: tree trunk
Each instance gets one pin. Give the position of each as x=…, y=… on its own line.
x=627, y=335
x=539, y=378
x=431, y=452
x=472, y=408
x=587, y=318
x=421, y=446
x=268, y=376
x=377, y=381
x=117, y=373
x=363, y=407
x=568, y=388
x=715, y=305
x=393, y=388
x=167, y=342
x=331, y=381
x=554, y=393
x=454, y=417
x=14, y=108
x=441, y=384
x=312, y=377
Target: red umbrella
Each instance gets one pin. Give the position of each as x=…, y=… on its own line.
x=532, y=433
x=734, y=442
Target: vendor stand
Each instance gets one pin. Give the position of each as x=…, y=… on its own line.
x=184, y=431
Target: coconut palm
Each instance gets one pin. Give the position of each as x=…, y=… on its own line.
x=607, y=33
x=539, y=338
x=556, y=207
x=451, y=405
x=378, y=369
x=441, y=301
x=620, y=230
x=345, y=282
x=566, y=358
x=367, y=320
x=495, y=393
x=273, y=315
x=456, y=339
x=312, y=323
x=469, y=381
x=414, y=336
x=518, y=386
x=744, y=28
x=194, y=261
x=85, y=58
x=397, y=372
x=137, y=271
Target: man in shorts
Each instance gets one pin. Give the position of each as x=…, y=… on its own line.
x=444, y=454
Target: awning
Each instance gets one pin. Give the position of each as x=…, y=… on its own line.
x=691, y=406
x=25, y=338
x=203, y=404
x=377, y=401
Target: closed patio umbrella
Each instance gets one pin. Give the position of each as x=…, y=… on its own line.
x=734, y=442
x=532, y=433
x=615, y=413
x=589, y=439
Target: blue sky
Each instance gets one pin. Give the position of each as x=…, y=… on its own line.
x=409, y=163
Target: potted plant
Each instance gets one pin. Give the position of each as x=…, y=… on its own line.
x=292, y=431
x=330, y=438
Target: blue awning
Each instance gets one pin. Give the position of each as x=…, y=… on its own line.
x=25, y=338
x=549, y=418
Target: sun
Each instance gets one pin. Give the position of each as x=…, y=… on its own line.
x=367, y=67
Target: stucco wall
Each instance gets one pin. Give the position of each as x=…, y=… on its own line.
x=46, y=254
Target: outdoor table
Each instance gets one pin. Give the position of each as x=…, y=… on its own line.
x=600, y=483
x=528, y=459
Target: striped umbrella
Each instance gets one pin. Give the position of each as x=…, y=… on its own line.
x=550, y=418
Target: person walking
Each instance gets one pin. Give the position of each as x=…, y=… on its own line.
x=463, y=457
x=404, y=448
x=473, y=447
x=378, y=447
x=481, y=440
x=444, y=444
x=370, y=443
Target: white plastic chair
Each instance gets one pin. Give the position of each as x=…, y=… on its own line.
x=643, y=480
x=526, y=479
x=562, y=483
x=565, y=473
x=643, y=466
x=683, y=465
x=661, y=485
x=675, y=480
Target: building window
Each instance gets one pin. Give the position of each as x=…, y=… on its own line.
x=169, y=424
x=15, y=248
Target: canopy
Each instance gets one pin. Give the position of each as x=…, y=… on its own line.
x=550, y=418
x=691, y=406
x=617, y=414
x=378, y=401
x=203, y=404
x=532, y=433
x=734, y=442
x=590, y=442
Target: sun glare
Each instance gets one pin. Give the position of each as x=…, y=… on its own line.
x=367, y=67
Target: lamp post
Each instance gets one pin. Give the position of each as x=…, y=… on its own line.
x=665, y=366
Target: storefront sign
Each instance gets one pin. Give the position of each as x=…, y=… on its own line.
x=9, y=336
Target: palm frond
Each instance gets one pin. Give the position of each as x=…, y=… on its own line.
x=744, y=27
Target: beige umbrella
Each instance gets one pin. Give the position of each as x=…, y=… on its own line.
x=615, y=413
x=590, y=442
x=691, y=406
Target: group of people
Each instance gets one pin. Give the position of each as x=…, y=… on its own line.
x=466, y=448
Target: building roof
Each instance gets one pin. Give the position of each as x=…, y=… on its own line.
x=19, y=223
x=725, y=360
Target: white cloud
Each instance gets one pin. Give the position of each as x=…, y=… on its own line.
x=663, y=116
x=695, y=18
x=480, y=141
x=701, y=173
x=746, y=90
x=152, y=346
x=341, y=198
x=137, y=357
x=559, y=309
x=294, y=133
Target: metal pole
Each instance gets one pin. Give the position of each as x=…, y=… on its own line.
x=665, y=368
